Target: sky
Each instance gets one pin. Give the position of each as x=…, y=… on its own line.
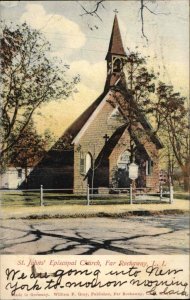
x=82, y=42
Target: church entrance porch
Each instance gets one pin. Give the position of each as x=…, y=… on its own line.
x=123, y=180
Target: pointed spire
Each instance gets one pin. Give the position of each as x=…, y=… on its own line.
x=116, y=45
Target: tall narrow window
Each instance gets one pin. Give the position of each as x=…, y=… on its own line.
x=82, y=164
x=88, y=162
x=19, y=173
x=149, y=166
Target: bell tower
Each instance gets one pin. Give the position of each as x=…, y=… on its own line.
x=116, y=56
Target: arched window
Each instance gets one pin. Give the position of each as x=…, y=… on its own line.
x=88, y=162
x=123, y=160
x=117, y=65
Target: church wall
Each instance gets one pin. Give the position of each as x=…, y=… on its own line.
x=54, y=171
x=113, y=159
x=152, y=180
x=92, y=141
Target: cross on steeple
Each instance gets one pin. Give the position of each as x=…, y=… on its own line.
x=106, y=137
x=115, y=11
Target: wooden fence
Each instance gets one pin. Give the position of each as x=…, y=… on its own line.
x=88, y=196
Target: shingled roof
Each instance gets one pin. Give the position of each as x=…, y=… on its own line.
x=116, y=44
x=72, y=131
x=112, y=142
x=66, y=139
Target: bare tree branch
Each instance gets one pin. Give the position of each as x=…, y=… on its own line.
x=142, y=9
x=155, y=13
x=94, y=11
x=142, y=19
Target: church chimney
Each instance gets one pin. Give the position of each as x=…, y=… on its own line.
x=116, y=56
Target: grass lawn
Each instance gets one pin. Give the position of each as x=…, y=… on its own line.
x=85, y=211
x=32, y=199
x=184, y=196
x=25, y=199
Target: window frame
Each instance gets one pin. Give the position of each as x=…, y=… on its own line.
x=19, y=173
x=82, y=163
x=149, y=167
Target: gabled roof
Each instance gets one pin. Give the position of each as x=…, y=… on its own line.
x=142, y=119
x=116, y=44
x=78, y=124
x=71, y=133
x=111, y=143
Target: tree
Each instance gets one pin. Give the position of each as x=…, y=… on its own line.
x=29, y=77
x=140, y=86
x=29, y=149
x=171, y=118
x=141, y=81
x=163, y=105
x=93, y=9
x=144, y=7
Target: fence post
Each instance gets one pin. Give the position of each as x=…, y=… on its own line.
x=41, y=195
x=161, y=191
x=88, y=195
x=171, y=194
x=131, y=194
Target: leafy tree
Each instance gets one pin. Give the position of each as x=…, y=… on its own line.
x=29, y=149
x=140, y=86
x=141, y=81
x=171, y=118
x=160, y=103
x=29, y=77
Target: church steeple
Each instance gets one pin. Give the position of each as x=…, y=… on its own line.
x=116, y=56
x=116, y=45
